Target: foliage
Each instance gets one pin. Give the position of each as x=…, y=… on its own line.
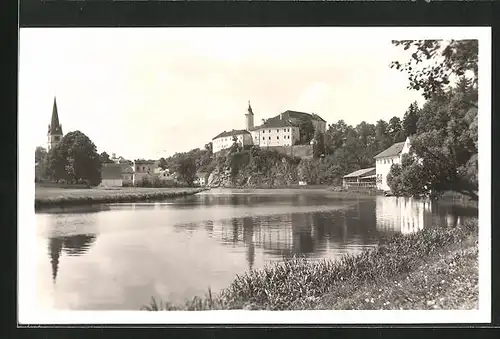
x=105, y=159
x=410, y=120
x=447, y=147
x=162, y=163
x=185, y=166
x=446, y=61
x=40, y=154
x=74, y=157
x=306, y=130
x=291, y=283
x=318, y=144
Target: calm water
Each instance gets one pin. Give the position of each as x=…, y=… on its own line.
x=118, y=256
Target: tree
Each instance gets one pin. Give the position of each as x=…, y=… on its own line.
x=306, y=131
x=447, y=150
x=40, y=154
x=410, y=120
x=382, y=139
x=449, y=59
x=105, y=159
x=395, y=130
x=75, y=158
x=162, y=163
x=318, y=145
x=185, y=167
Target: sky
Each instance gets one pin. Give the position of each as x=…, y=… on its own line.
x=151, y=92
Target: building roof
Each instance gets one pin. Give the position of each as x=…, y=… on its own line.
x=289, y=114
x=55, y=128
x=231, y=133
x=274, y=124
x=142, y=161
x=250, y=112
x=391, y=151
x=359, y=173
x=126, y=168
x=111, y=171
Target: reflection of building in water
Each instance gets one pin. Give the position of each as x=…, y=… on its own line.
x=405, y=215
x=72, y=246
x=285, y=235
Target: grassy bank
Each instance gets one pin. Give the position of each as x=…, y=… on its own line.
x=48, y=197
x=434, y=268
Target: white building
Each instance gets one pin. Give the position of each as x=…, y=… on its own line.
x=144, y=169
x=111, y=175
x=275, y=133
x=385, y=159
x=225, y=140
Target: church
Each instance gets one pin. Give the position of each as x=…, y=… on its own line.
x=55, y=132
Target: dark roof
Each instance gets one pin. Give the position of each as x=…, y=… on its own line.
x=111, y=171
x=274, y=124
x=391, y=151
x=126, y=168
x=231, y=133
x=142, y=161
x=359, y=173
x=288, y=114
x=55, y=128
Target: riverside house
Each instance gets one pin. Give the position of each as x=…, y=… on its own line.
x=385, y=159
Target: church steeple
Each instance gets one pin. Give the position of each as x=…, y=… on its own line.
x=55, y=132
x=250, y=108
x=249, y=117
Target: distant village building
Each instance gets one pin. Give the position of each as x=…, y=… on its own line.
x=144, y=169
x=127, y=173
x=363, y=178
x=55, y=132
x=111, y=175
x=385, y=159
x=202, y=178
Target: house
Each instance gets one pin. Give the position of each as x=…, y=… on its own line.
x=296, y=117
x=225, y=139
x=385, y=159
x=111, y=175
x=127, y=173
x=202, y=178
x=144, y=170
x=361, y=178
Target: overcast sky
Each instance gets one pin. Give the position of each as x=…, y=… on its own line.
x=147, y=93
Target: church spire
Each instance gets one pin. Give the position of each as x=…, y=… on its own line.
x=250, y=108
x=55, y=127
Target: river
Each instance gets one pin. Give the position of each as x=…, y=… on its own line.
x=118, y=256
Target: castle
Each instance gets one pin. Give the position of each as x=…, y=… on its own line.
x=280, y=130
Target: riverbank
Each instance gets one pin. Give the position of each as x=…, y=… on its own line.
x=436, y=268
x=49, y=196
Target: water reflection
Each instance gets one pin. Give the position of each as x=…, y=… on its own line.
x=72, y=246
x=408, y=215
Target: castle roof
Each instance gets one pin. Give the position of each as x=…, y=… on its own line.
x=231, y=133
x=391, y=151
x=55, y=127
x=296, y=115
x=274, y=123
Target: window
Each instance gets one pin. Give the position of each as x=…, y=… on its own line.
x=277, y=137
x=277, y=131
x=263, y=138
x=263, y=131
x=269, y=138
x=269, y=131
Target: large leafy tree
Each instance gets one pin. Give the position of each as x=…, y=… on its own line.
x=75, y=158
x=105, y=158
x=318, y=144
x=435, y=64
x=446, y=142
x=185, y=166
x=40, y=154
x=395, y=130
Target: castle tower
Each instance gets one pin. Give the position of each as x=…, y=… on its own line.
x=55, y=132
x=249, y=117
